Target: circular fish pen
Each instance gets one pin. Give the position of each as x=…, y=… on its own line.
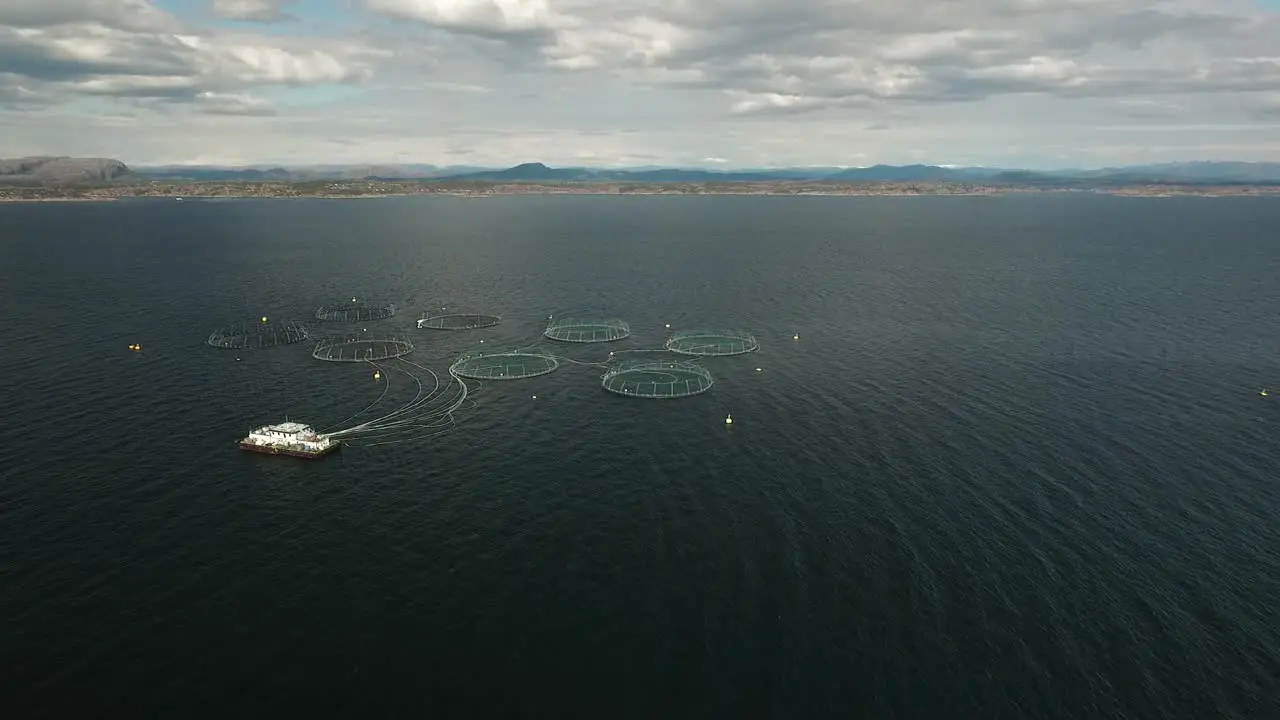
x=355, y=312
x=257, y=335
x=710, y=343
x=503, y=364
x=657, y=379
x=458, y=321
x=361, y=348
x=578, y=330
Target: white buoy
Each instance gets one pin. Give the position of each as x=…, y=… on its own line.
x=535, y=397
x=728, y=419
x=796, y=336
x=759, y=369
x=668, y=326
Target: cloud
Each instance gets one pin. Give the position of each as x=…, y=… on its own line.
x=263, y=11
x=14, y=95
x=1143, y=108
x=751, y=82
x=788, y=56
x=1268, y=108
x=214, y=103
x=784, y=104
x=488, y=18
x=102, y=53
x=136, y=15
x=454, y=86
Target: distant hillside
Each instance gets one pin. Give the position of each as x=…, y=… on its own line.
x=61, y=170
x=301, y=173
x=1191, y=173
x=217, y=174
x=64, y=170
x=1167, y=173
x=537, y=172
x=912, y=173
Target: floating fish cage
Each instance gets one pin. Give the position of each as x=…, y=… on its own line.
x=257, y=335
x=355, y=312
x=361, y=348
x=503, y=364
x=709, y=343
x=591, y=330
x=657, y=379
x=458, y=321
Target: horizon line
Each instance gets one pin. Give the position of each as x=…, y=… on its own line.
x=718, y=169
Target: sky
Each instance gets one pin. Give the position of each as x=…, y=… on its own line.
x=615, y=83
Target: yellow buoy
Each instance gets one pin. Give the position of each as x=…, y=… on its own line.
x=728, y=419
x=377, y=375
x=1263, y=393
x=759, y=369
x=795, y=337
x=264, y=318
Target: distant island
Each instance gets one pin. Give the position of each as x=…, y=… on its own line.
x=63, y=178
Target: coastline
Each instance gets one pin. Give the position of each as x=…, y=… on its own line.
x=359, y=190
x=5, y=199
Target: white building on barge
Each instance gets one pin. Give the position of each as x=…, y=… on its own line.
x=289, y=438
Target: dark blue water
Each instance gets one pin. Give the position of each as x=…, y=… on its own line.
x=1017, y=465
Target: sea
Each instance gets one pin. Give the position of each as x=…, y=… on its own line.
x=995, y=457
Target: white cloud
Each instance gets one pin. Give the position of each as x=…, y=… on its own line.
x=750, y=82
x=264, y=11
x=482, y=17
x=105, y=57
x=137, y=15
x=233, y=104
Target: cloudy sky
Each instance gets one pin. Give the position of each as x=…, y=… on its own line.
x=729, y=83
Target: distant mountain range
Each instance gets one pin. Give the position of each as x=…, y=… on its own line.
x=303, y=173
x=62, y=170
x=1191, y=172
x=537, y=172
